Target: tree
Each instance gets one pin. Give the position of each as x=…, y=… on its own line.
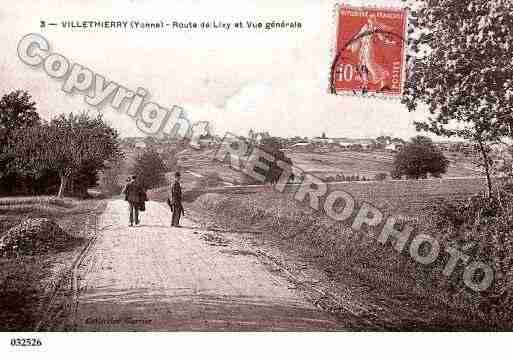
x=17, y=111
x=422, y=140
x=150, y=169
x=110, y=179
x=418, y=158
x=83, y=179
x=272, y=146
x=461, y=67
x=170, y=158
x=74, y=146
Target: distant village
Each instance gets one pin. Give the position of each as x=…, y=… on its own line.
x=320, y=144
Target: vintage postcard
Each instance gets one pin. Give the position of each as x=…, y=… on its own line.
x=293, y=166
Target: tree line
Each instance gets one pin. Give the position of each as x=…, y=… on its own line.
x=60, y=156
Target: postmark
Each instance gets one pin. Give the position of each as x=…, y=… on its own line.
x=369, y=51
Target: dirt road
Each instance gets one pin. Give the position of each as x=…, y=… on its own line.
x=156, y=277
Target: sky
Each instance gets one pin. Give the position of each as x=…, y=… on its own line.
x=273, y=81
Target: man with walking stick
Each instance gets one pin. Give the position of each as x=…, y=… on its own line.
x=176, y=201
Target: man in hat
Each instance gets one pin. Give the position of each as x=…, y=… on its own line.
x=176, y=201
x=134, y=195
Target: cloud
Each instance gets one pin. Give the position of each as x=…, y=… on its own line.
x=267, y=80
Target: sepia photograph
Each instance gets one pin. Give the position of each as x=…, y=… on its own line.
x=256, y=170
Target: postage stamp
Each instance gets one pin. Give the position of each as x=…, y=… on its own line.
x=369, y=51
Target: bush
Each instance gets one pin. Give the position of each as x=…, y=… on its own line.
x=420, y=157
x=37, y=235
x=485, y=225
x=150, y=169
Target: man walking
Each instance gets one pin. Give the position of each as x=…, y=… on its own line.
x=176, y=201
x=134, y=195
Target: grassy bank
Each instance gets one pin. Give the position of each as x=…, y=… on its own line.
x=26, y=282
x=350, y=258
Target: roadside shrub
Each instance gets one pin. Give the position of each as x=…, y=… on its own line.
x=485, y=225
x=36, y=235
x=456, y=215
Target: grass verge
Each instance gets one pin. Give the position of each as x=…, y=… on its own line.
x=400, y=293
x=26, y=282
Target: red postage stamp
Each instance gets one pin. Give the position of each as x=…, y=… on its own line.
x=370, y=50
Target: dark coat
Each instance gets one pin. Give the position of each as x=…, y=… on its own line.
x=134, y=193
x=176, y=193
x=176, y=197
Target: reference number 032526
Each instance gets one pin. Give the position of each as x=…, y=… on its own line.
x=26, y=342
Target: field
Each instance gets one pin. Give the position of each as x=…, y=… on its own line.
x=394, y=196
x=410, y=196
x=365, y=164
x=401, y=197
x=201, y=163
x=196, y=164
